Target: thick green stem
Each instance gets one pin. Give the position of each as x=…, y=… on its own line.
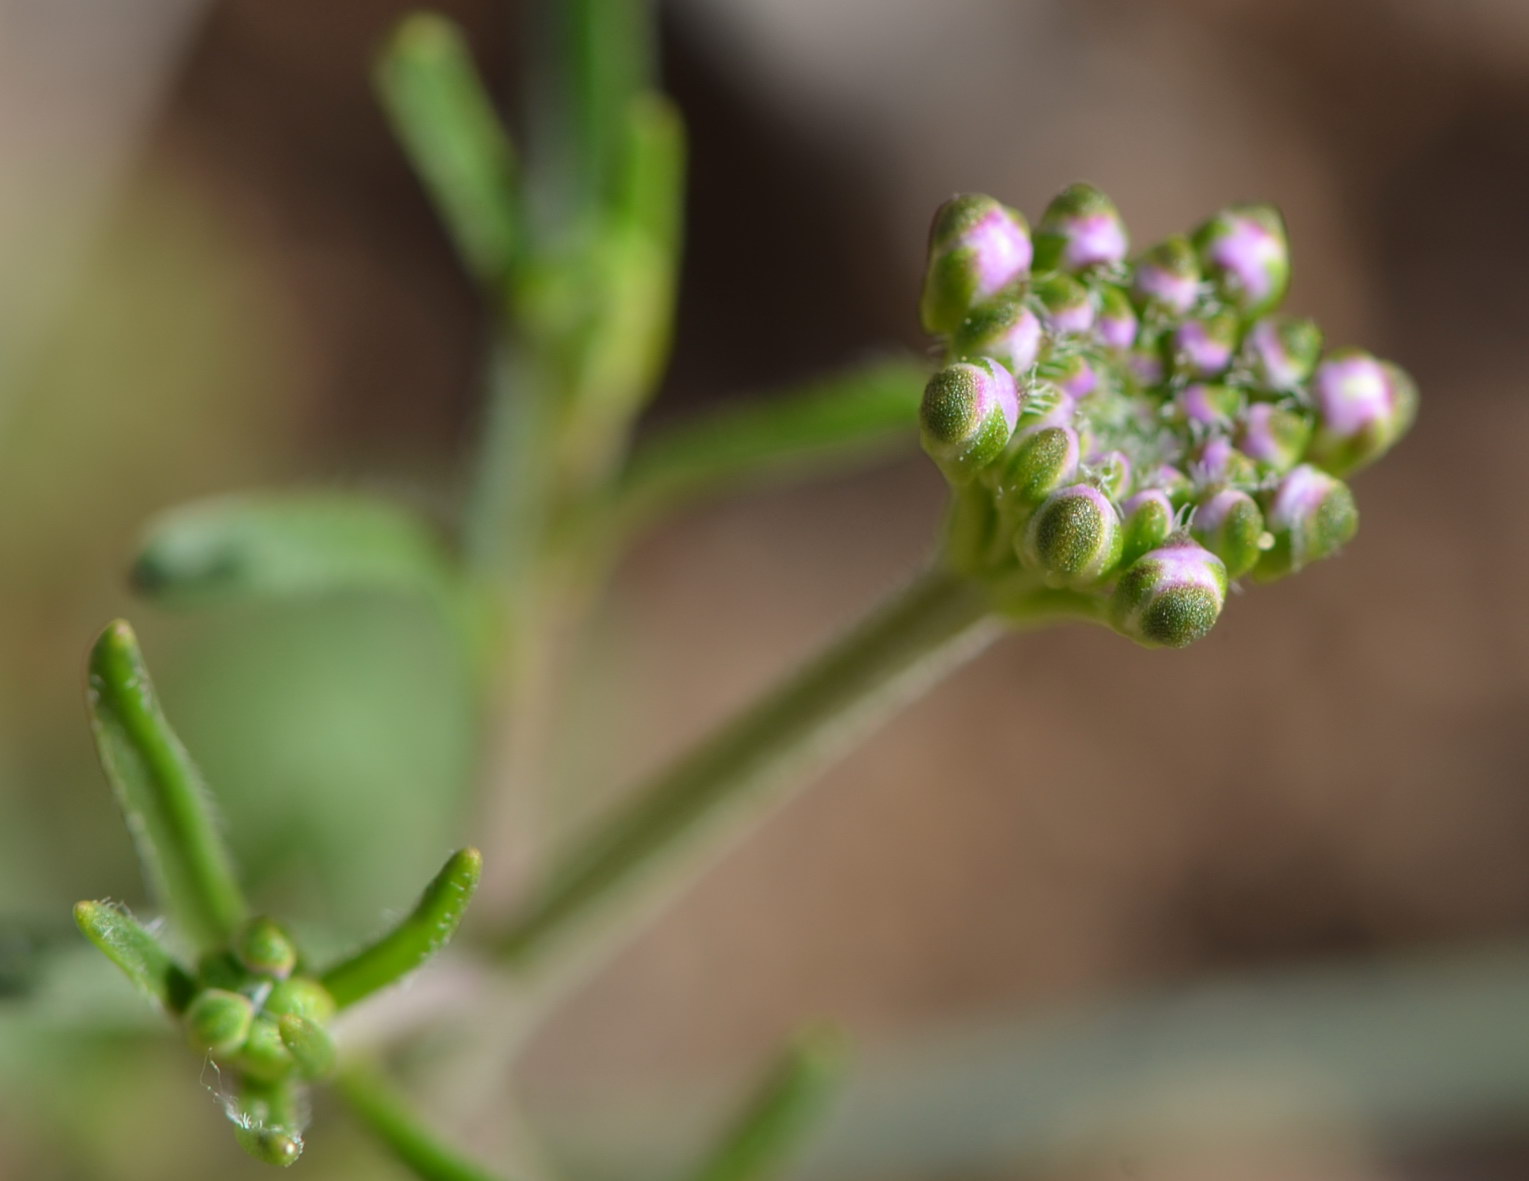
x=922, y=632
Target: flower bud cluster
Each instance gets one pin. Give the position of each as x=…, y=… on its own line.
x=1140, y=429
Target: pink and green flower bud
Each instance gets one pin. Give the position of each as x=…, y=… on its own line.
x=1274, y=437
x=1170, y=597
x=265, y=949
x=1311, y=515
x=977, y=248
x=1111, y=473
x=1067, y=307
x=1244, y=253
x=1146, y=362
x=1205, y=347
x=1216, y=463
x=1081, y=228
x=1231, y=525
x=1280, y=352
x=1167, y=478
x=1167, y=279
x=1074, y=537
x=1045, y=404
x=219, y=1021
x=1148, y=523
x=1363, y=407
x=968, y=416
x=1076, y=377
x=1044, y=459
x=1207, y=405
x=1007, y=331
x=1117, y=323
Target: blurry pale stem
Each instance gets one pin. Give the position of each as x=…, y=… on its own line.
x=443, y=116
x=782, y=1112
x=135, y=950
x=607, y=58
x=388, y=1118
x=922, y=632
x=414, y=940
x=160, y=792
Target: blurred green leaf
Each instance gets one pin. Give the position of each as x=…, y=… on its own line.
x=413, y=941
x=830, y=424
x=237, y=548
x=444, y=118
x=135, y=950
x=160, y=792
x=781, y=1113
x=607, y=58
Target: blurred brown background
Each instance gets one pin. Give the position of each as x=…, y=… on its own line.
x=220, y=274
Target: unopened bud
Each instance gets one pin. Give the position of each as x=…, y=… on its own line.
x=1170, y=597
x=1311, y=515
x=1274, y=436
x=1231, y=526
x=265, y=949
x=1204, y=348
x=301, y=996
x=1044, y=459
x=1280, y=352
x=1110, y=472
x=1044, y=404
x=1081, y=228
x=1067, y=306
x=968, y=416
x=218, y=1021
x=1074, y=537
x=1076, y=377
x=1207, y=405
x=1244, y=253
x=1363, y=407
x=1006, y=330
x=1216, y=463
x=1168, y=277
x=263, y=1055
x=1145, y=361
x=977, y=248
x=1148, y=522
x=1117, y=321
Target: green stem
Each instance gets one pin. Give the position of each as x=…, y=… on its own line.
x=386, y=1116
x=921, y=633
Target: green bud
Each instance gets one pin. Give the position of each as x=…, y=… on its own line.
x=273, y=1146
x=1167, y=279
x=1148, y=522
x=1067, y=306
x=1081, y=228
x=977, y=249
x=1311, y=515
x=265, y=949
x=1044, y=459
x=968, y=416
x=1171, y=596
x=1274, y=437
x=301, y=996
x=218, y=1022
x=1232, y=527
x=1245, y=255
x=264, y=1055
x=1005, y=330
x=310, y=1045
x=1074, y=537
x=1280, y=352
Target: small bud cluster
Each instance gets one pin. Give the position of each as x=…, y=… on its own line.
x=1140, y=431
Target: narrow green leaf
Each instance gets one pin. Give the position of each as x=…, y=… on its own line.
x=160, y=793
x=781, y=1113
x=310, y=1045
x=826, y=426
x=237, y=548
x=444, y=118
x=413, y=941
x=625, y=343
x=386, y=1117
x=135, y=950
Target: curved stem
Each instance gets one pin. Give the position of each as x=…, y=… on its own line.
x=387, y=1117
x=688, y=810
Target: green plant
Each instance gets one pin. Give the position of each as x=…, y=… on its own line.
x=1122, y=439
